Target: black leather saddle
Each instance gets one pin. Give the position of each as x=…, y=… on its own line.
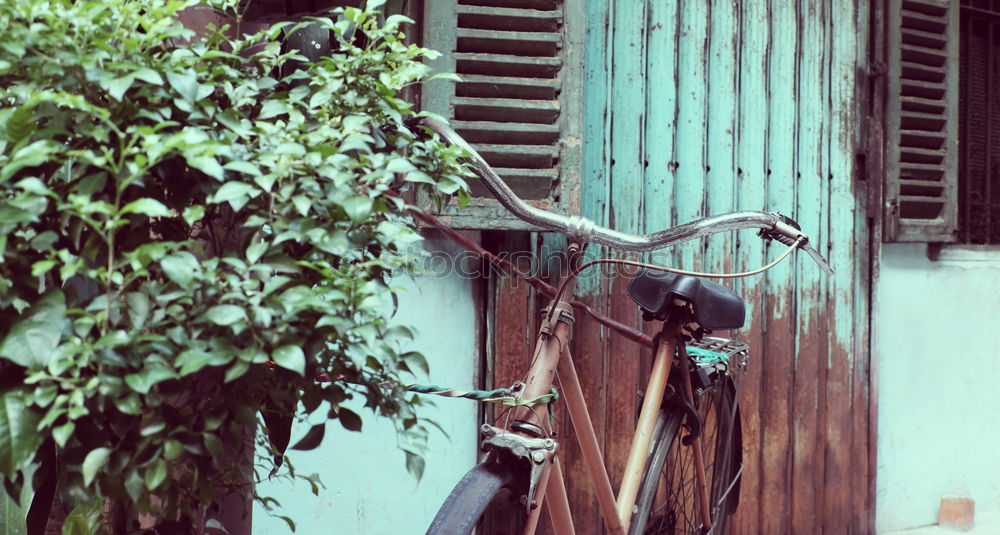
x=715, y=306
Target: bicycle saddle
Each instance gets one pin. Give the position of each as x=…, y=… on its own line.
x=715, y=306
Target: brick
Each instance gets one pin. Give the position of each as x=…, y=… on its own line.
x=957, y=513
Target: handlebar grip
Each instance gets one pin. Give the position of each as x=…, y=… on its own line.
x=785, y=230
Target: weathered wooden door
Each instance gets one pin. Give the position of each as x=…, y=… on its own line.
x=694, y=108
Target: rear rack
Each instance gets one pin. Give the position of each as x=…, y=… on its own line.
x=737, y=354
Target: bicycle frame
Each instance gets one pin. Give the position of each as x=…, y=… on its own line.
x=532, y=440
x=552, y=355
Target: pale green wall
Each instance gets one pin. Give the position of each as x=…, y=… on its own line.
x=368, y=491
x=938, y=376
x=11, y=517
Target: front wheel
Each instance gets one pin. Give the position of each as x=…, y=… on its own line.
x=483, y=501
x=667, y=502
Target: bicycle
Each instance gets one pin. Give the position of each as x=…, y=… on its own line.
x=683, y=469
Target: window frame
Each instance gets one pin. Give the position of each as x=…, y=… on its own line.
x=439, y=30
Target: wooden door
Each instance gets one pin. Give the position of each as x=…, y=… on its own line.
x=695, y=108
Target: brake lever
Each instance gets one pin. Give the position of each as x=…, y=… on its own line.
x=787, y=231
x=818, y=258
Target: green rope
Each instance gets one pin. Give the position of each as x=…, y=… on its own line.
x=478, y=395
x=503, y=396
x=706, y=356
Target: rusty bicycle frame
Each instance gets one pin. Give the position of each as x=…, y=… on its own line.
x=551, y=356
x=529, y=437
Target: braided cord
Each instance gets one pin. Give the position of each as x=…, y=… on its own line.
x=503, y=396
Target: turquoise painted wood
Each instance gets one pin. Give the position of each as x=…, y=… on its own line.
x=808, y=452
x=660, y=126
x=695, y=108
x=751, y=172
x=689, y=155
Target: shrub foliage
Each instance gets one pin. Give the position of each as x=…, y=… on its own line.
x=192, y=232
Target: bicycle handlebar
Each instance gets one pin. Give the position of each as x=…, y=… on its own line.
x=772, y=224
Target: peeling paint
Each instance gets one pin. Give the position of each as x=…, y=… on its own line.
x=752, y=106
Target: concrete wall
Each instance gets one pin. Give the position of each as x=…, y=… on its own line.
x=368, y=490
x=938, y=382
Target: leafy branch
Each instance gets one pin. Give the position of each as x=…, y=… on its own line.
x=197, y=239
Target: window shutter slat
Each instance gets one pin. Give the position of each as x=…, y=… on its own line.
x=922, y=122
x=514, y=96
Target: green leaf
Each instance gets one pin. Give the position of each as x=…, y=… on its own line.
x=208, y=165
x=312, y=439
x=146, y=206
x=349, y=419
x=416, y=359
x=192, y=360
x=235, y=371
x=172, y=449
x=246, y=168
x=290, y=357
x=400, y=165
x=22, y=123
x=31, y=155
x=129, y=404
x=320, y=99
x=42, y=267
x=273, y=108
x=156, y=474
x=302, y=204
x=151, y=426
x=225, y=314
x=193, y=214
x=232, y=190
x=414, y=464
x=44, y=241
x=181, y=267
x=144, y=380
x=19, y=438
x=255, y=251
x=235, y=193
x=233, y=121
x=138, y=308
x=288, y=520
x=213, y=444
x=62, y=433
x=118, y=86
x=358, y=207
x=135, y=485
x=149, y=76
x=185, y=84
x=33, y=339
x=93, y=463
x=85, y=518
x=292, y=149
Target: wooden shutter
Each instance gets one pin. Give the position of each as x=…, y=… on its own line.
x=922, y=121
x=517, y=101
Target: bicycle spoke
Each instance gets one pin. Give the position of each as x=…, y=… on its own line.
x=676, y=506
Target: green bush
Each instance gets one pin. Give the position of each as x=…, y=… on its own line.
x=192, y=231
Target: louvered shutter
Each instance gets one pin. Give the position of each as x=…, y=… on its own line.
x=517, y=101
x=922, y=121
